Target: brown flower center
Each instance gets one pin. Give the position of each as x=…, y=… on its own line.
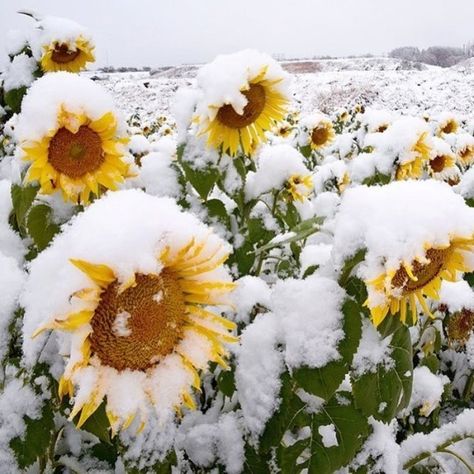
x=450, y=127
x=62, y=54
x=466, y=152
x=320, y=135
x=135, y=329
x=424, y=272
x=438, y=164
x=460, y=326
x=256, y=99
x=382, y=128
x=75, y=154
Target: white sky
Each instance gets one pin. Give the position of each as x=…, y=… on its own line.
x=167, y=32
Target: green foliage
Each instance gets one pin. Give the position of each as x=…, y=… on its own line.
x=22, y=199
x=36, y=440
x=41, y=227
x=13, y=98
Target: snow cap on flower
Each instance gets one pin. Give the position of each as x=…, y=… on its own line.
x=73, y=135
x=61, y=44
x=241, y=95
x=316, y=130
x=132, y=282
x=416, y=235
x=276, y=165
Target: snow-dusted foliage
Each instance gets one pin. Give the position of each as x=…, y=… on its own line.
x=232, y=280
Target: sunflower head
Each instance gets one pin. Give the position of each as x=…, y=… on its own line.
x=154, y=329
x=440, y=163
x=238, y=117
x=419, y=154
x=466, y=154
x=78, y=152
x=299, y=187
x=71, y=56
x=460, y=327
x=412, y=281
x=322, y=135
x=449, y=125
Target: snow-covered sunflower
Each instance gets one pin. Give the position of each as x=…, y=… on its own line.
x=414, y=280
x=242, y=96
x=465, y=149
x=134, y=306
x=416, y=234
x=420, y=152
x=446, y=123
x=317, y=131
x=64, y=45
x=442, y=162
x=70, y=133
x=299, y=187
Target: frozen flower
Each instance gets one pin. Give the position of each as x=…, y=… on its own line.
x=416, y=234
x=242, y=96
x=138, y=326
x=446, y=124
x=465, y=149
x=442, y=162
x=299, y=187
x=65, y=45
x=317, y=131
x=70, y=133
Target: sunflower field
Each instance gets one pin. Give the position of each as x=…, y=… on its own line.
x=236, y=287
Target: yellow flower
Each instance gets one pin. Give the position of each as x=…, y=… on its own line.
x=413, y=281
x=449, y=125
x=322, y=134
x=153, y=326
x=79, y=156
x=67, y=56
x=441, y=163
x=265, y=106
x=466, y=154
x=413, y=169
x=299, y=187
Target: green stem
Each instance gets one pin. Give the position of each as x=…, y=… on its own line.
x=459, y=458
x=442, y=447
x=466, y=395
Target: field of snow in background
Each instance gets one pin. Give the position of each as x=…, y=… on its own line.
x=323, y=84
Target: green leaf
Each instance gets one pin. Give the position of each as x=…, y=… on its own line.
x=324, y=381
x=98, y=424
x=217, y=209
x=288, y=455
x=383, y=393
x=470, y=202
x=469, y=277
x=14, y=97
x=377, y=178
x=351, y=428
x=226, y=382
x=349, y=265
x=36, y=440
x=255, y=463
x=41, y=227
x=203, y=180
x=282, y=419
x=22, y=199
x=310, y=270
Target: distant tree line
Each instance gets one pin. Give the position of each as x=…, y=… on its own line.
x=444, y=56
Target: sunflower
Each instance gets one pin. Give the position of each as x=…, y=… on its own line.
x=69, y=56
x=413, y=280
x=442, y=162
x=322, y=134
x=148, y=325
x=79, y=156
x=466, y=154
x=252, y=102
x=299, y=187
x=420, y=153
x=448, y=125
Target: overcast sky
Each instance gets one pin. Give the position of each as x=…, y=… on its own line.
x=168, y=32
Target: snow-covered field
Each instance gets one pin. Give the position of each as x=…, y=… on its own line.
x=380, y=82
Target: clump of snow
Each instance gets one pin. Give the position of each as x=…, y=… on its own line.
x=427, y=391
x=314, y=255
x=374, y=120
x=399, y=139
x=457, y=295
x=310, y=315
x=328, y=435
x=46, y=97
x=257, y=376
x=250, y=291
x=120, y=326
x=139, y=145
x=373, y=351
x=466, y=185
x=275, y=165
x=19, y=72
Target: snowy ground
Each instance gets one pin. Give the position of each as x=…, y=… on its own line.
x=330, y=84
